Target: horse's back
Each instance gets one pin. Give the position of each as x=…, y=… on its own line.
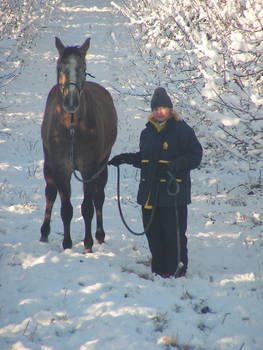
x=102, y=98
x=97, y=90
x=103, y=109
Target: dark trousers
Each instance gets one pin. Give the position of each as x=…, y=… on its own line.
x=162, y=238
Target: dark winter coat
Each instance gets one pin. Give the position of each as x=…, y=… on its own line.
x=175, y=142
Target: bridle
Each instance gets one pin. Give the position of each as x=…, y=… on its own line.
x=63, y=87
x=72, y=136
x=68, y=83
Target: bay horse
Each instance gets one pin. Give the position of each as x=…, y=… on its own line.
x=87, y=109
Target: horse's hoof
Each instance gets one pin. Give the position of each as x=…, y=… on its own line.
x=100, y=237
x=87, y=250
x=67, y=244
x=43, y=239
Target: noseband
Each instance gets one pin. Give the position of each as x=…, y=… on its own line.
x=64, y=86
x=67, y=84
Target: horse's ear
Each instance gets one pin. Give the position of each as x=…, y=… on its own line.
x=59, y=46
x=84, y=47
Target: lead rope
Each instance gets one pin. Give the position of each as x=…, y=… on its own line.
x=71, y=155
x=173, y=189
x=120, y=210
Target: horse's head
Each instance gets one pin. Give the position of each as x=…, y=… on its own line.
x=71, y=73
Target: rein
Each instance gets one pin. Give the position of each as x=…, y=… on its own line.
x=71, y=155
x=72, y=142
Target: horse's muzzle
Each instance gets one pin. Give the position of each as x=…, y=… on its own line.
x=71, y=97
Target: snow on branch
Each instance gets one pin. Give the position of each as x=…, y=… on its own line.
x=209, y=56
x=20, y=21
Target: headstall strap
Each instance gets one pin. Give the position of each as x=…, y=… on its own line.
x=92, y=76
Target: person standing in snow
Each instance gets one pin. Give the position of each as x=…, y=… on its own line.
x=169, y=149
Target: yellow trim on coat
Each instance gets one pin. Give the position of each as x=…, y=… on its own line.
x=174, y=115
x=157, y=126
x=146, y=205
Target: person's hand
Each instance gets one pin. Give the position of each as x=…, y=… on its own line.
x=117, y=160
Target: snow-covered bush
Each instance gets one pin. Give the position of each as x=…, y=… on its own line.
x=209, y=55
x=17, y=16
x=20, y=22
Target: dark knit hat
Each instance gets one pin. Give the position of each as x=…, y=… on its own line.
x=160, y=99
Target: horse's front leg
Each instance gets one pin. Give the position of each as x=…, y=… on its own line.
x=66, y=210
x=51, y=194
x=98, y=199
x=87, y=211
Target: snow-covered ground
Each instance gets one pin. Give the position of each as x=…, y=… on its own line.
x=51, y=299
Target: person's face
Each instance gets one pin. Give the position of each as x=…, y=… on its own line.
x=161, y=114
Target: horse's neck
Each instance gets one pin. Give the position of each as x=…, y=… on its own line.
x=86, y=114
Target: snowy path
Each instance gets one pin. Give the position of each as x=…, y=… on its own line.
x=52, y=299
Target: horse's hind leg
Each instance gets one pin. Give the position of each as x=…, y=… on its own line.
x=51, y=194
x=98, y=199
